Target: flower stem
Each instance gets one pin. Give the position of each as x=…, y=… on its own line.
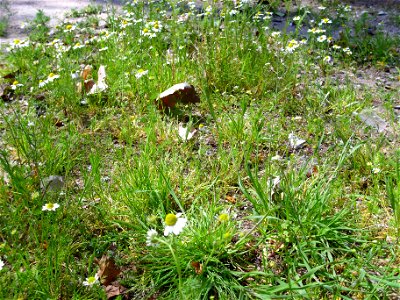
x=178, y=267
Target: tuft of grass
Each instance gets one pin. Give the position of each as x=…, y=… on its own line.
x=5, y=14
x=281, y=191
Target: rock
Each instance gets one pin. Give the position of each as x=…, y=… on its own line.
x=296, y=142
x=181, y=92
x=371, y=118
x=53, y=183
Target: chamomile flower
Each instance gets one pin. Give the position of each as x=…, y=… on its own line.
x=17, y=44
x=347, y=51
x=140, y=73
x=1, y=264
x=268, y=15
x=376, y=170
x=347, y=8
x=174, y=224
x=69, y=28
x=327, y=59
x=291, y=46
x=296, y=18
x=52, y=77
x=147, y=32
x=151, y=238
x=50, y=206
x=233, y=12
x=125, y=23
x=15, y=85
x=78, y=46
x=321, y=38
x=325, y=21
x=92, y=280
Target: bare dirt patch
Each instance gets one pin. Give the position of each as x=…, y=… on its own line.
x=24, y=11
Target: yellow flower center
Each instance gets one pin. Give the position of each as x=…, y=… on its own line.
x=223, y=217
x=15, y=82
x=50, y=205
x=145, y=30
x=17, y=41
x=171, y=219
x=68, y=27
x=91, y=280
x=51, y=75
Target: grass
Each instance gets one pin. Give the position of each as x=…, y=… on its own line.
x=264, y=218
x=4, y=16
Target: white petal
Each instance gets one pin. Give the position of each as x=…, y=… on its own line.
x=184, y=133
x=168, y=230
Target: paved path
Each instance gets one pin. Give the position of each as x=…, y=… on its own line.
x=25, y=10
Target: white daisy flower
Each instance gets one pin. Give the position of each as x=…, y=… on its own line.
x=174, y=224
x=52, y=77
x=15, y=85
x=327, y=59
x=69, y=28
x=292, y=45
x=140, y=73
x=321, y=38
x=376, y=170
x=275, y=33
x=78, y=46
x=325, y=21
x=1, y=264
x=91, y=280
x=50, y=206
x=151, y=238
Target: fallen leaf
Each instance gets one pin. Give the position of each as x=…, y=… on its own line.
x=114, y=290
x=86, y=72
x=101, y=85
x=198, y=267
x=185, y=134
x=6, y=92
x=89, y=84
x=108, y=271
x=10, y=76
x=181, y=92
x=230, y=199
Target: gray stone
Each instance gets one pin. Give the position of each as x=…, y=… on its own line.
x=53, y=183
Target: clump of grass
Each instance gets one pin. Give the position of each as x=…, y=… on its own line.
x=4, y=16
x=278, y=192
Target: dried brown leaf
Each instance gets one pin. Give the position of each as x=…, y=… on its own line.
x=230, y=199
x=6, y=92
x=108, y=271
x=114, y=290
x=198, y=267
x=86, y=72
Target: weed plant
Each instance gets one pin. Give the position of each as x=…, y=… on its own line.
x=280, y=193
